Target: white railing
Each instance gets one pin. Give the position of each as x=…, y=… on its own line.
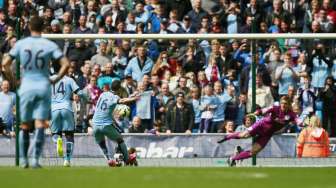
x=195, y=36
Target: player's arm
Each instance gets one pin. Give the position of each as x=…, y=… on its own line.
x=64, y=63
x=6, y=66
x=128, y=100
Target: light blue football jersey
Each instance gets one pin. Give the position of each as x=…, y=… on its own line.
x=104, y=108
x=62, y=93
x=35, y=54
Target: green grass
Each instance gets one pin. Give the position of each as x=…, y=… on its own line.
x=96, y=177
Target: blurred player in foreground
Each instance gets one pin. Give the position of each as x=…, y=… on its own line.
x=275, y=120
x=35, y=54
x=104, y=125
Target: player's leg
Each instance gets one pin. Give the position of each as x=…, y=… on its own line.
x=100, y=140
x=252, y=131
x=69, y=144
x=38, y=141
x=26, y=102
x=114, y=135
x=236, y=135
x=41, y=115
x=56, y=130
x=68, y=129
x=24, y=144
x=256, y=148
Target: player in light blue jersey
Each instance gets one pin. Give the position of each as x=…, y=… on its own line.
x=104, y=125
x=62, y=116
x=35, y=54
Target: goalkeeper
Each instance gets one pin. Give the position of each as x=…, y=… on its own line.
x=276, y=118
x=103, y=125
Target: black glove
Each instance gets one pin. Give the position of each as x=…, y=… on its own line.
x=221, y=140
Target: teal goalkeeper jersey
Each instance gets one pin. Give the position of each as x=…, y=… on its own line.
x=104, y=108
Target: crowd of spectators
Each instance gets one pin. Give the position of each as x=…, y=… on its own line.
x=190, y=85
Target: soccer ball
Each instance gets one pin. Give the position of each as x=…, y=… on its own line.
x=123, y=110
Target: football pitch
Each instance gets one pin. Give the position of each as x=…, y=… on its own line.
x=135, y=177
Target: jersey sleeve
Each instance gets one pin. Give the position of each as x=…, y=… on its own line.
x=73, y=84
x=56, y=52
x=14, y=52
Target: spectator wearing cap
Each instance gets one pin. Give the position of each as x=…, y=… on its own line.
x=197, y=13
x=179, y=116
x=139, y=65
x=129, y=84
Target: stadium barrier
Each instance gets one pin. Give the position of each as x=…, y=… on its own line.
x=171, y=146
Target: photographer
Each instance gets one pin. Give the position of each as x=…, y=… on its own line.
x=328, y=97
x=319, y=65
